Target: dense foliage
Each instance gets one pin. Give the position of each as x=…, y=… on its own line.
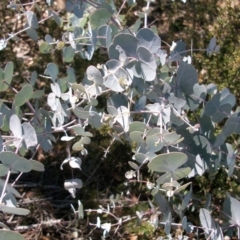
x=146, y=96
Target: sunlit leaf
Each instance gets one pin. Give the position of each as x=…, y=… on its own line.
x=16, y=128
x=231, y=207
x=14, y=210
x=167, y=162
x=29, y=135
x=94, y=75
x=72, y=184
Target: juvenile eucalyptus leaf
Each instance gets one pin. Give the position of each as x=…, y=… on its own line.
x=6, y=76
x=52, y=101
x=93, y=102
x=85, y=140
x=187, y=77
x=207, y=222
x=48, y=38
x=32, y=33
x=45, y=143
x=3, y=44
x=78, y=130
x=15, y=162
x=23, y=95
x=227, y=98
x=16, y=128
x=137, y=126
x=139, y=157
x=232, y=125
x=57, y=19
x=127, y=42
x=72, y=184
x=211, y=46
x=79, y=112
x=154, y=143
x=95, y=120
x=136, y=136
x=167, y=162
x=140, y=103
x=123, y=117
x=1, y=74
x=199, y=95
x=14, y=210
x=78, y=146
x=148, y=39
x=94, y=75
x=33, y=78
x=67, y=138
x=74, y=162
x=99, y=17
x=32, y=19
x=176, y=175
x=114, y=81
x=167, y=228
x=29, y=135
x=71, y=75
x=56, y=89
x=231, y=207
x=10, y=235
x=105, y=35
x=44, y=47
x=10, y=189
x=80, y=210
x=184, y=222
x=3, y=170
x=9, y=200
x=147, y=63
x=117, y=100
x=37, y=94
x=52, y=71
x=133, y=165
x=68, y=54
x=36, y=165
x=162, y=203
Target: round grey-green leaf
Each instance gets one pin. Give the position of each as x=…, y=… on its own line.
x=94, y=75
x=6, y=76
x=99, y=17
x=13, y=210
x=36, y=165
x=52, y=71
x=10, y=235
x=32, y=19
x=167, y=162
x=32, y=33
x=29, y=136
x=105, y=35
x=23, y=96
x=15, y=162
x=68, y=54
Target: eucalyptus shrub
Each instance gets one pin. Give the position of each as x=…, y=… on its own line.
x=154, y=103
